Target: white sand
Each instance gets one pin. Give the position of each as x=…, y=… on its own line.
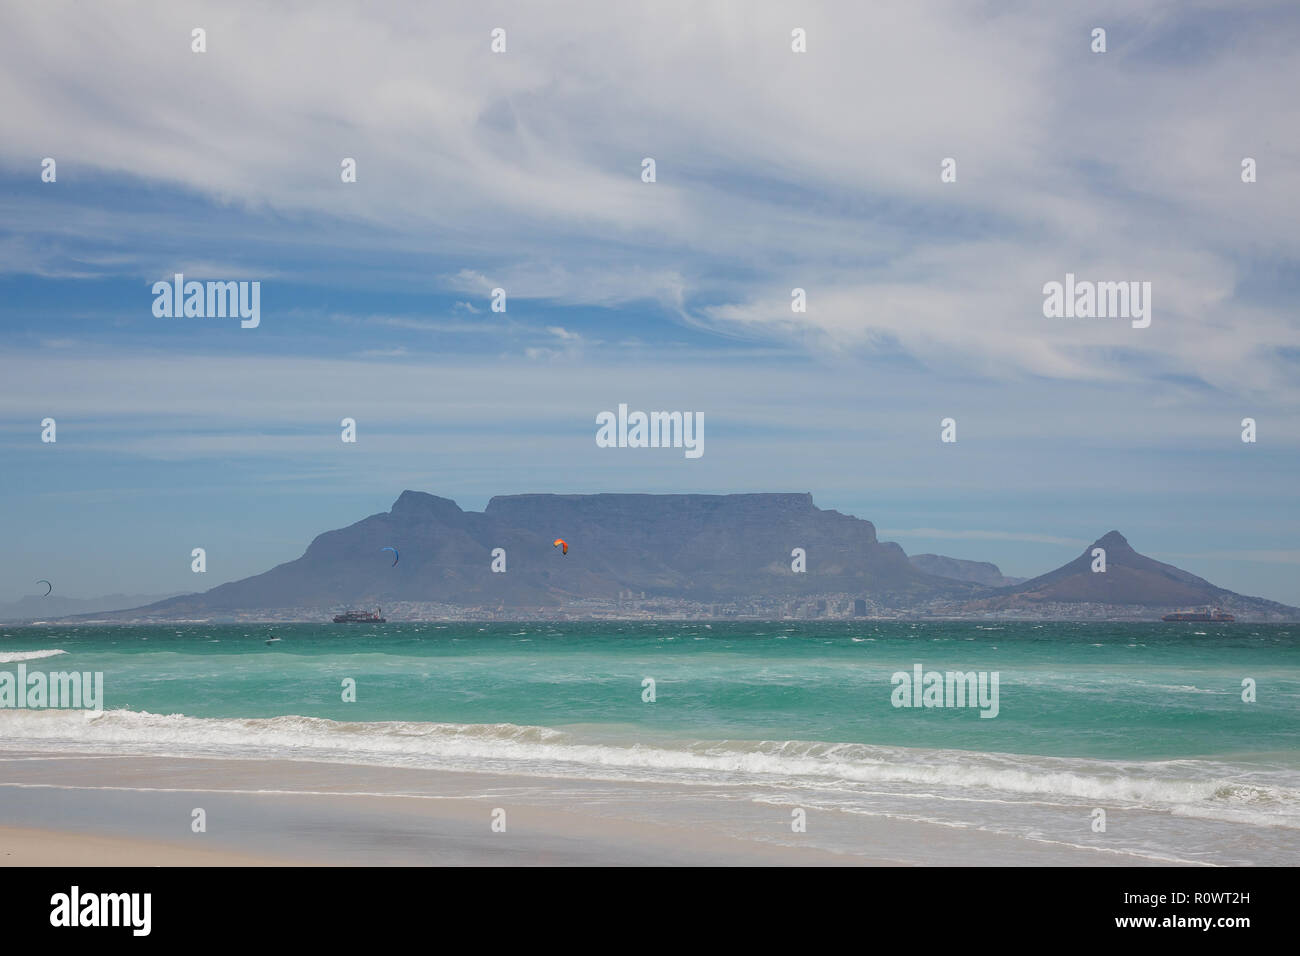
x=137, y=810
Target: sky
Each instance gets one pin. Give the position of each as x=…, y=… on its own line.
x=523, y=170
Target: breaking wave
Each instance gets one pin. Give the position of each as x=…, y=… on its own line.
x=1197, y=788
x=12, y=657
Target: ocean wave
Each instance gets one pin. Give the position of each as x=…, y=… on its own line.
x=12, y=657
x=1184, y=787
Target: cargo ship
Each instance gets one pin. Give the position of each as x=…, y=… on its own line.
x=361, y=617
x=1213, y=616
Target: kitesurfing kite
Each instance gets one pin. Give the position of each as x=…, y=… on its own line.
x=562, y=545
x=48, y=587
x=395, y=556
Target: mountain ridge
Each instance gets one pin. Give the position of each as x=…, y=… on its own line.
x=703, y=551
x=979, y=572
x=1130, y=579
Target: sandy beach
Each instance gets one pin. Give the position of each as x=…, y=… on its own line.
x=138, y=810
x=769, y=745
x=34, y=847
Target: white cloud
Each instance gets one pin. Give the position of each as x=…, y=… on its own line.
x=775, y=169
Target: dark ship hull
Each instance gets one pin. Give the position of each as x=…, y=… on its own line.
x=360, y=617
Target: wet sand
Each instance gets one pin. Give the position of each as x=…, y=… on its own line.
x=139, y=810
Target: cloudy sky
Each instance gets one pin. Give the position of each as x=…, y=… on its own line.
x=522, y=170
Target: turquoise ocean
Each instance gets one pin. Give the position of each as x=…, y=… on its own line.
x=1146, y=722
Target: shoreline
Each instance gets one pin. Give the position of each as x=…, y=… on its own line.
x=96, y=809
x=118, y=808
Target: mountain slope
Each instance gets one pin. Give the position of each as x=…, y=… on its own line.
x=1130, y=579
x=984, y=573
x=33, y=607
x=701, y=547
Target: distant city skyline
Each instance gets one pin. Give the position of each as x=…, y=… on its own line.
x=818, y=171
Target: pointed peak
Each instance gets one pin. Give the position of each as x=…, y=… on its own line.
x=1112, y=540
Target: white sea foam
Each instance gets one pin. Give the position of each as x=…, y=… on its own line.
x=12, y=657
x=1184, y=787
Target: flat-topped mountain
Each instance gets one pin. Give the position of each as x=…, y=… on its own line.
x=706, y=550
x=696, y=547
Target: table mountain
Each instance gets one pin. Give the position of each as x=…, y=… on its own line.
x=698, y=547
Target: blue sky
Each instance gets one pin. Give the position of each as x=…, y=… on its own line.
x=522, y=170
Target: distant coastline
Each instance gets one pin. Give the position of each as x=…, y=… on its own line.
x=662, y=611
x=691, y=557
